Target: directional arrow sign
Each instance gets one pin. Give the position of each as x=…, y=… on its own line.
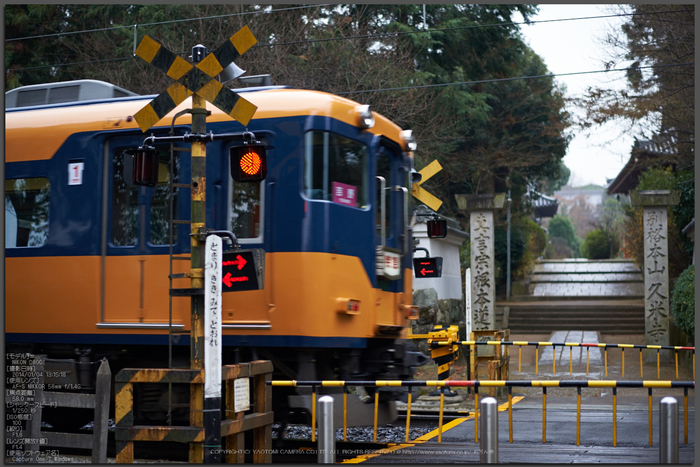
x=198, y=79
x=239, y=271
x=427, y=267
x=239, y=261
x=422, y=195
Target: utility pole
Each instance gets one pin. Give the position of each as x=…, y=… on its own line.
x=198, y=220
x=508, y=254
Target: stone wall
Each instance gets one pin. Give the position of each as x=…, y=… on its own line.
x=433, y=311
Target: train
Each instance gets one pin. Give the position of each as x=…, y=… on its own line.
x=90, y=258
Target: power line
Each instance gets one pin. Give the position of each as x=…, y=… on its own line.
x=162, y=22
x=498, y=80
x=342, y=38
x=474, y=26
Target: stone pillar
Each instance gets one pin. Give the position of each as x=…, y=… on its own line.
x=481, y=235
x=656, y=283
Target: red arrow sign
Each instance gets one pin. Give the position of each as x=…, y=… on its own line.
x=229, y=279
x=240, y=262
x=423, y=271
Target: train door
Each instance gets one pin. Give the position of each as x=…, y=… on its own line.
x=135, y=242
x=392, y=238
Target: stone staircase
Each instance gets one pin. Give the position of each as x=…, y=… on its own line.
x=605, y=296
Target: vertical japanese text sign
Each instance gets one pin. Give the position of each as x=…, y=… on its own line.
x=212, y=317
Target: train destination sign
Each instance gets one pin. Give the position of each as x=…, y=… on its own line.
x=239, y=272
x=427, y=267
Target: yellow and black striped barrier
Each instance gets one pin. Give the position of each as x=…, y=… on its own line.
x=443, y=348
x=641, y=347
x=476, y=384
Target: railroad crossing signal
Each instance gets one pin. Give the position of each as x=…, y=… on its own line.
x=198, y=79
x=423, y=195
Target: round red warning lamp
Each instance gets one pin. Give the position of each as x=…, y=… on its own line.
x=251, y=162
x=248, y=163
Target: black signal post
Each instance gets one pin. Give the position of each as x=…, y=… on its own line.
x=198, y=81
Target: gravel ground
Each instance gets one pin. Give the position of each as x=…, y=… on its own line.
x=385, y=433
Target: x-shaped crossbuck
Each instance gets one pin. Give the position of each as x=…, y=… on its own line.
x=197, y=79
x=424, y=195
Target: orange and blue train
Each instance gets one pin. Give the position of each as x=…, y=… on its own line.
x=88, y=255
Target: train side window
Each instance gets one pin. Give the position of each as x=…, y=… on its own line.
x=26, y=212
x=160, y=202
x=335, y=169
x=125, y=207
x=384, y=170
x=245, y=219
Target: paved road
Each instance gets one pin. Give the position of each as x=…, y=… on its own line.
x=458, y=444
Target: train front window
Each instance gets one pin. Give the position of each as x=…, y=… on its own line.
x=335, y=169
x=26, y=212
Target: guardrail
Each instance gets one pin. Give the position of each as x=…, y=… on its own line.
x=641, y=347
x=476, y=384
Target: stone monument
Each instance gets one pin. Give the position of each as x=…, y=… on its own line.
x=481, y=234
x=656, y=283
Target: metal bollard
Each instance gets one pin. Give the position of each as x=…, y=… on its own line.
x=326, y=432
x=668, y=430
x=489, y=431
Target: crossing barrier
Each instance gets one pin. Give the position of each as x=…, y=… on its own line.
x=476, y=384
x=641, y=347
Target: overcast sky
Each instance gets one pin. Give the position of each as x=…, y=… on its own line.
x=575, y=46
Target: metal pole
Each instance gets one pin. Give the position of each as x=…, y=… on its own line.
x=198, y=221
x=489, y=431
x=326, y=432
x=508, y=250
x=668, y=430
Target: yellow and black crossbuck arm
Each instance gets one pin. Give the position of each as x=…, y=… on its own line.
x=197, y=79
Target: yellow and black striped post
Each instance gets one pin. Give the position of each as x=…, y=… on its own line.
x=198, y=81
x=444, y=351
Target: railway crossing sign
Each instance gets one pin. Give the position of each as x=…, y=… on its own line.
x=195, y=79
x=423, y=195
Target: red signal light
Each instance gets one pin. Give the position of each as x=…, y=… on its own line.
x=249, y=163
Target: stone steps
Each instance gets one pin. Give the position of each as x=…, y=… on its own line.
x=604, y=296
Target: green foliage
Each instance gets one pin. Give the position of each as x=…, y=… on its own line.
x=465, y=252
x=518, y=245
x=560, y=226
x=684, y=211
x=554, y=183
x=656, y=178
x=596, y=245
x=683, y=301
x=679, y=246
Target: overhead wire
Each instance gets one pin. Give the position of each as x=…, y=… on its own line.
x=527, y=22
x=552, y=75
x=497, y=80
x=85, y=31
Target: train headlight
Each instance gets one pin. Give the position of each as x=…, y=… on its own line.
x=365, y=117
x=409, y=140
